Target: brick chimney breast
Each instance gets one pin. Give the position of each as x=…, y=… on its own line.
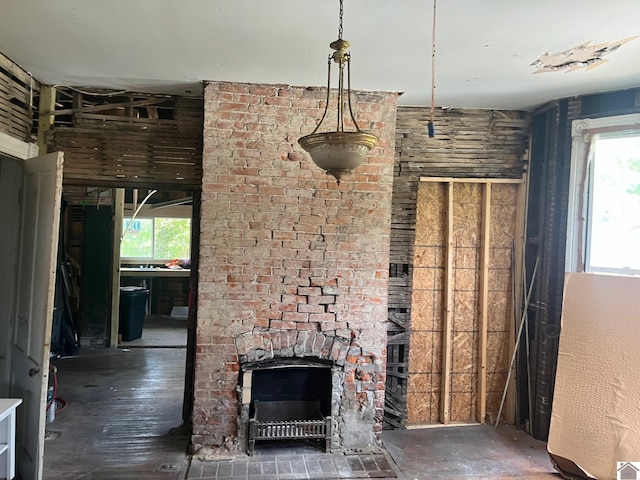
x=292, y=265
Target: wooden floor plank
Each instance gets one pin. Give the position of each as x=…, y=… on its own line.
x=121, y=408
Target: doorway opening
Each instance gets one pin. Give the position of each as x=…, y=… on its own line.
x=155, y=268
x=129, y=391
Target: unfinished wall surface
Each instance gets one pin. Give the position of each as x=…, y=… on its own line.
x=459, y=317
x=129, y=139
x=467, y=144
x=546, y=236
x=290, y=262
x=17, y=89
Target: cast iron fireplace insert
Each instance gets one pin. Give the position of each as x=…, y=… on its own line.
x=289, y=420
x=290, y=400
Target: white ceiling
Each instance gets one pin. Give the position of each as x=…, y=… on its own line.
x=484, y=47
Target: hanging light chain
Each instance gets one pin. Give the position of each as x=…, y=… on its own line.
x=341, y=14
x=339, y=152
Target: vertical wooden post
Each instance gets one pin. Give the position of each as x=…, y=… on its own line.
x=46, y=105
x=118, y=213
x=445, y=396
x=521, y=214
x=483, y=302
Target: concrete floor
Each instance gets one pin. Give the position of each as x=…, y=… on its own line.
x=122, y=405
x=468, y=452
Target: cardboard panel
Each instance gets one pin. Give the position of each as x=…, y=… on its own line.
x=596, y=406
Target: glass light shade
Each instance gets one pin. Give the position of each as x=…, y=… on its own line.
x=338, y=153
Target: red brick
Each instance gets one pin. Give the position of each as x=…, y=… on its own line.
x=295, y=317
x=264, y=206
x=307, y=326
x=315, y=291
x=306, y=308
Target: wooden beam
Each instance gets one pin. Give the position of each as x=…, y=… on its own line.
x=521, y=215
x=483, y=302
x=18, y=72
x=118, y=212
x=471, y=180
x=445, y=398
x=45, y=122
x=105, y=106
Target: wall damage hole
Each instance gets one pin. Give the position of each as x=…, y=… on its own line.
x=585, y=56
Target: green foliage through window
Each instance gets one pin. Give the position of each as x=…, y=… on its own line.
x=156, y=238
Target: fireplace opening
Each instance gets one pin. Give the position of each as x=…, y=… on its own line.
x=290, y=401
x=292, y=382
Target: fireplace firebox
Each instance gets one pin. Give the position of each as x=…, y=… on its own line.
x=289, y=399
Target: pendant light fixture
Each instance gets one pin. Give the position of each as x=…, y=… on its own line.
x=339, y=152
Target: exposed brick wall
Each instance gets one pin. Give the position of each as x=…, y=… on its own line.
x=287, y=254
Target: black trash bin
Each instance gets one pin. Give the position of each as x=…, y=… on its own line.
x=133, y=303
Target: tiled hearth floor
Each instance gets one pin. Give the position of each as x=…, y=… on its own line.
x=318, y=466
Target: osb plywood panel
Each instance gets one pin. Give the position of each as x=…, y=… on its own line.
x=427, y=314
x=427, y=303
x=468, y=143
x=432, y=214
x=425, y=354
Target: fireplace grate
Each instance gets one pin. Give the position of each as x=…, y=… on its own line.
x=288, y=420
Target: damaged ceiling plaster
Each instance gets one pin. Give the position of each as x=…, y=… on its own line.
x=583, y=56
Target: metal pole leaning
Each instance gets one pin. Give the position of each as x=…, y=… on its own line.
x=515, y=350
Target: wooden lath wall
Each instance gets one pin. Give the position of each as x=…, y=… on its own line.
x=129, y=140
x=468, y=143
x=17, y=91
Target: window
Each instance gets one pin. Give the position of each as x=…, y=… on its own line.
x=156, y=238
x=603, y=229
x=613, y=220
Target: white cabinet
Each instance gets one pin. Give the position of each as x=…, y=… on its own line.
x=8, y=436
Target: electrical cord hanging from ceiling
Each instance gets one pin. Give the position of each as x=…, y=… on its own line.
x=136, y=213
x=430, y=125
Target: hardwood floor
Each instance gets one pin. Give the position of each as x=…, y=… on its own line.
x=121, y=405
x=160, y=331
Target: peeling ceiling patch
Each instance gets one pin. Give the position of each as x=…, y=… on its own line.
x=583, y=56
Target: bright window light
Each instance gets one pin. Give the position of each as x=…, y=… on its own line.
x=613, y=232
x=156, y=238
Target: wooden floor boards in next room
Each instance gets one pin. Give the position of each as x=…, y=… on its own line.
x=121, y=407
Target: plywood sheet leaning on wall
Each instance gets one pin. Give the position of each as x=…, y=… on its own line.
x=595, y=421
x=462, y=306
